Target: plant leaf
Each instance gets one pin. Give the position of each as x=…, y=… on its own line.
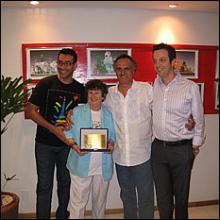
x=13, y=96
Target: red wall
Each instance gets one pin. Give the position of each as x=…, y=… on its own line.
x=145, y=71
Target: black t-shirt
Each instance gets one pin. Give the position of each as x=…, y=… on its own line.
x=54, y=100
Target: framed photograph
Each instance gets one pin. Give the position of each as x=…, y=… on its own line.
x=100, y=62
x=216, y=95
x=145, y=83
x=110, y=84
x=217, y=65
x=201, y=90
x=187, y=63
x=41, y=62
x=94, y=139
x=31, y=88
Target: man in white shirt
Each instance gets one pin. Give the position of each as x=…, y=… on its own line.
x=174, y=147
x=130, y=103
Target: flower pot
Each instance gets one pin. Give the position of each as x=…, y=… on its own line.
x=9, y=205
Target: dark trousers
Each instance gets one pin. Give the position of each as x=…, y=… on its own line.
x=137, y=191
x=47, y=157
x=171, y=166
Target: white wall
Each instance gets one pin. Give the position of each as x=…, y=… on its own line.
x=58, y=25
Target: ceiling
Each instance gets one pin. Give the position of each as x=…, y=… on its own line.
x=201, y=6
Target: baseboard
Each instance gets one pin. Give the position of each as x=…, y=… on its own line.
x=120, y=210
x=203, y=203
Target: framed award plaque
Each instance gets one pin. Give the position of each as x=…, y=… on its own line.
x=94, y=139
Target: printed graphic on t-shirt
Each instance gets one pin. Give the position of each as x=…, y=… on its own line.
x=96, y=119
x=96, y=124
x=58, y=104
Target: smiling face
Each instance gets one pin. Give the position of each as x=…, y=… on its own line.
x=124, y=71
x=65, y=68
x=95, y=99
x=162, y=64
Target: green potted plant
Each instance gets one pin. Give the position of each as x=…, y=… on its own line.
x=13, y=97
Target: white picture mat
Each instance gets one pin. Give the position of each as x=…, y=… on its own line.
x=97, y=68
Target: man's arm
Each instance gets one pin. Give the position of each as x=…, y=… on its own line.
x=32, y=111
x=198, y=115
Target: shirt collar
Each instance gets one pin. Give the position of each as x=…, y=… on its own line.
x=134, y=83
x=175, y=80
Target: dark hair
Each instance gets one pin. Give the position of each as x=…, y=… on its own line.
x=96, y=84
x=68, y=51
x=125, y=56
x=171, y=50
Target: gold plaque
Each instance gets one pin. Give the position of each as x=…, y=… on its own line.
x=93, y=139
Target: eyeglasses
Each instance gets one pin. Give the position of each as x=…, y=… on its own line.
x=120, y=70
x=66, y=63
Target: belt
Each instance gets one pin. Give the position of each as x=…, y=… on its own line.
x=175, y=143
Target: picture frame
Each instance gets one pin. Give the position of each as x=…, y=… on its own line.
x=94, y=139
x=187, y=63
x=30, y=88
x=146, y=82
x=217, y=65
x=40, y=62
x=216, y=95
x=201, y=90
x=100, y=62
x=110, y=84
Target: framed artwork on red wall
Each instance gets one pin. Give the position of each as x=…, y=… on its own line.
x=110, y=84
x=100, y=62
x=31, y=88
x=201, y=90
x=217, y=95
x=187, y=63
x=217, y=65
x=196, y=62
x=41, y=62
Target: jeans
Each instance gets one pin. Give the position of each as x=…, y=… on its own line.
x=137, y=191
x=47, y=157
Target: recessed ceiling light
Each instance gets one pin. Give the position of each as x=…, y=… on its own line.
x=34, y=2
x=173, y=5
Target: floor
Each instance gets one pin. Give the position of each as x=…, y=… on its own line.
x=200, y=212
